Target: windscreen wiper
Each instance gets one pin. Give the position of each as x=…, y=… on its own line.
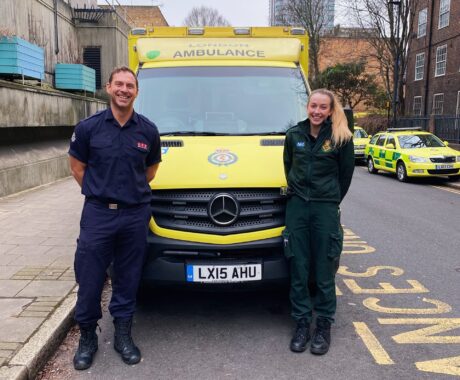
x=418, y=143
x=193, y=133
x=279, y=133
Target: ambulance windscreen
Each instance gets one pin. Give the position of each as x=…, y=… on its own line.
x=222, y=100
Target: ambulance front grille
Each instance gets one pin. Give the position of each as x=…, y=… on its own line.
x=188, y=210
x=443, y=159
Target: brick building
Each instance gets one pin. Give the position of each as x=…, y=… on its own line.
x=349, y=45
x=141, y=16
x=433, y=77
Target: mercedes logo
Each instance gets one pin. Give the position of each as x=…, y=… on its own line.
x=223, y=209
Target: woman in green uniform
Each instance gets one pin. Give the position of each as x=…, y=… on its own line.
x=319, y=164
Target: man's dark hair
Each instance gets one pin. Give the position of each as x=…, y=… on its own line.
x=125, y=69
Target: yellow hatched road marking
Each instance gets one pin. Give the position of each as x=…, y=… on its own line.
x=448, y=366
x=440, y=307
x=425, y=335
x=386, y=288
x=338, y=292
x=449, y=189
x=372, y=344
x=371, y=271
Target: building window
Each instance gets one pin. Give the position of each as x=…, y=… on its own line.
x=417, y=109
x=422, y=17
x=441, y=58
x=444, y=13
x=92, y=58
x=419, y=66
x=438, y=103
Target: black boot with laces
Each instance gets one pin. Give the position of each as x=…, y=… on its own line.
x=87, y=347
x=301, y=336
x=321, y=337
x=124, y=344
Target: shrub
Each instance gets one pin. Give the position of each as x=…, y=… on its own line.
x=373, y=123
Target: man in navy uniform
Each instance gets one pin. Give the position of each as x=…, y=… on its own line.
x=114, y=154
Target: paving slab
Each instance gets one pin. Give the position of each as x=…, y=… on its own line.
x=29, y=250
x=18, y=329
x=5, y=248
x=38, y=231
x=33, y=260
x=6, y=272
x=11, y=288
x=47, y=288
x=12, y=307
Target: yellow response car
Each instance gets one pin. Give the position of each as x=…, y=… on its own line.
x=360, y=140
x=411, y=153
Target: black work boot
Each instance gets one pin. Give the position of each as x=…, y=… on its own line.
x=321, y=337
x=301, y=336
x=87, y=346
x=124, y=344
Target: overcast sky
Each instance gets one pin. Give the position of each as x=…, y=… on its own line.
x=237, y=12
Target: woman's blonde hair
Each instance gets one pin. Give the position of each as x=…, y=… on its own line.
x=340, y=132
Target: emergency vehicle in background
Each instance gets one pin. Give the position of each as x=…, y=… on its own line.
x=222, y=99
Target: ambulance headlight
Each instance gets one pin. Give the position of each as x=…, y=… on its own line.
x=417, y=159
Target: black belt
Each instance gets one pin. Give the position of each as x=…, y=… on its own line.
x=113, y=205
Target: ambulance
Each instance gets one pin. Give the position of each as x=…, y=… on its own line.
x=222, y=99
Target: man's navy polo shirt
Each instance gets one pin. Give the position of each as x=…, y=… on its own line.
x=116, y=157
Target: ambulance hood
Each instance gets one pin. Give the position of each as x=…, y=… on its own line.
x=431, y=152
x=221, y=162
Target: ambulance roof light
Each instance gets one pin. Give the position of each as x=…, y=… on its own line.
x=196, y=31
x=242, y=31
x=138, y=31
x=298, y=31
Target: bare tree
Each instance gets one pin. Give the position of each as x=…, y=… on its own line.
x=393, y=25
x=311, y=15
x=205, y=16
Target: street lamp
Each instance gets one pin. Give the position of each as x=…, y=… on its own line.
x=396, y=68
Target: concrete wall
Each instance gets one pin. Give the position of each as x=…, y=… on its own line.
x=112, y=37
x=35, y=160
x=33, y=20
x=22, y=106
x=29, y=165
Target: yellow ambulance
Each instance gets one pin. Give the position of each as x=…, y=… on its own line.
x=222, y=99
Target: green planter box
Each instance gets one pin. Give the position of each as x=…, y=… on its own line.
x=75, y=77
x=20, y=57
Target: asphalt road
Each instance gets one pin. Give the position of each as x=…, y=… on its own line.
x=398, y=306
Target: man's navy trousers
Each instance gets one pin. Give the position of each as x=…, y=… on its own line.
x=110, y=235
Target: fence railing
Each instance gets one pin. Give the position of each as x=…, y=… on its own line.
x=445, y=127
x=413, y=122
x=448, y=128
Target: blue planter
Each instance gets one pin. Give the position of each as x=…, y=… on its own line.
x=75, y=77
x=20, y=57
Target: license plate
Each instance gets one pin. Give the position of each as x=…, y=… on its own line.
x=444, y=166
x=224, y=273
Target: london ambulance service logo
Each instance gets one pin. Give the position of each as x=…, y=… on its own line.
x=327, y=146
x=222, y=157
x=152, y=54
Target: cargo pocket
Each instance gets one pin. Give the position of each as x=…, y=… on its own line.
x=287, y=244
x=80, y=259
x=335, y=249
x=335, y=245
